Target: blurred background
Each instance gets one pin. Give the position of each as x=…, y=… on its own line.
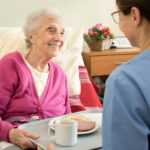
x=76, y=13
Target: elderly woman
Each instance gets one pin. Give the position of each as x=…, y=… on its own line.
x=126, y=115
x=32, y=86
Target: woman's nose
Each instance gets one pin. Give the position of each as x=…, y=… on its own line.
x=58, y=37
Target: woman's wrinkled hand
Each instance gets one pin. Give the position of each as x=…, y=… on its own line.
x=21, y=137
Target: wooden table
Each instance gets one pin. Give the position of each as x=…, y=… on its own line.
x=101, y=63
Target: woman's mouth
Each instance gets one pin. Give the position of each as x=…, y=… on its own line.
x=54, y=45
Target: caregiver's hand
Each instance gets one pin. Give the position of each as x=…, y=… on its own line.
x=21, y=137
x=50, y=147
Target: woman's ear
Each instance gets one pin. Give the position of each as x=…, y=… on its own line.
x=136, y=15
x=30, y=37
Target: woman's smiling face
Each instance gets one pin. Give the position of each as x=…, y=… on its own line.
x=49, y=36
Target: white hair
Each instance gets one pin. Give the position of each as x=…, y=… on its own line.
x=34, y=20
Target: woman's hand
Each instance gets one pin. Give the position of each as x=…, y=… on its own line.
x=50, y=147
x=20, y=138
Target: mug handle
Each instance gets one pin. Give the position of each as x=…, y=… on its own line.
x=51, y=133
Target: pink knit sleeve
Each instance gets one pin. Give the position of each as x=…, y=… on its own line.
x=7, y=78
x=5, y=127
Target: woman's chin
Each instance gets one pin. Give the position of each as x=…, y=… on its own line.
x=55, y=54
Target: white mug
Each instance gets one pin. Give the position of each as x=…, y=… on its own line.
x=65, y=132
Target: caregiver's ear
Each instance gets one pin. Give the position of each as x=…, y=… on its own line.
x=136, y=16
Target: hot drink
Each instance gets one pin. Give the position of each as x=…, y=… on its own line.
x=66, y=123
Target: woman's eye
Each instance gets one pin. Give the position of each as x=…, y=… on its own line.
x=51, y=30
x=62, y=33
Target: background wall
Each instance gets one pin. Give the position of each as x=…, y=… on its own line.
x=76, y=13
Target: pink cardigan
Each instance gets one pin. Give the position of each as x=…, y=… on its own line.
x=18, y=95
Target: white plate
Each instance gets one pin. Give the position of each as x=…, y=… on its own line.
x=90, y=116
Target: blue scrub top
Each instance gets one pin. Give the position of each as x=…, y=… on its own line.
x=126, y=110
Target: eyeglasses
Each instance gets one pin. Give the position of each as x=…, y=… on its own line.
x=115, y=16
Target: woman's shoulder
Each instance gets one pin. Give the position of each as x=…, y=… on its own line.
x=10, y=56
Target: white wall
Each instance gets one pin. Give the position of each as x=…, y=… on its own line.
x=76, y=13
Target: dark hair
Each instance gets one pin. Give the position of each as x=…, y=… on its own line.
x=143, y=5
